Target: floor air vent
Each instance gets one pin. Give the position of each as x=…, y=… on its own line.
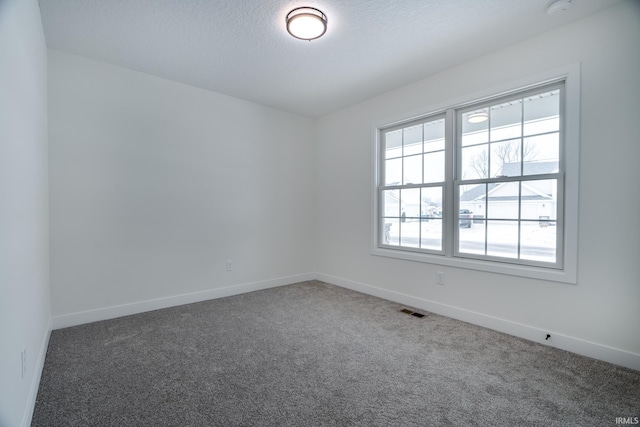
x=413, y=313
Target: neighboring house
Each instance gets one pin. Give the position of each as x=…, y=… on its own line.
x=538, y=197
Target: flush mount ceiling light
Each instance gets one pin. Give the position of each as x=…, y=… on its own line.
x=306, y=23
x=477, y=117
x=558, y=6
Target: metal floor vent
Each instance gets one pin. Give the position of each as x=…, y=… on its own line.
x=413, y=313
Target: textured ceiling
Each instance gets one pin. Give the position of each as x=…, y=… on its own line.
x=241, y=48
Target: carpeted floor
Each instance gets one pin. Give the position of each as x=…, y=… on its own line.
x=313, y=354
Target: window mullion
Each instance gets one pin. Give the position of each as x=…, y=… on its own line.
x=521, y=176
x=489, y=136
x=519, y=216
x=420, y=191
x=521, y=140
x=449, y=219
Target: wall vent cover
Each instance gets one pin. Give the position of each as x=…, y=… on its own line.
x=413, y=313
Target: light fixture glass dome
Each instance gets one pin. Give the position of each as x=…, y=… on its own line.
x=477, y=117
x=306, y=23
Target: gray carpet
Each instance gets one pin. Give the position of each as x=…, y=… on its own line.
x=313, y=354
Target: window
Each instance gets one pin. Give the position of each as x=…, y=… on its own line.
x=414, y=175
x=509, y=177
x=483, y=184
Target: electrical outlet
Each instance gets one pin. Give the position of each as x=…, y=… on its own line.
x=229, y=265
x=23, y=359
x=440, y=277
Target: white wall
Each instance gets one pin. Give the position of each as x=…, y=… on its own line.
x=155, y=184
x=600, y=315
x=24, y=265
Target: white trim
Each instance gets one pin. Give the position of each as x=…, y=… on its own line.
x=564, y=342
x=79, y=318
x=35, y=380
x=571, y=76
x=572, y=171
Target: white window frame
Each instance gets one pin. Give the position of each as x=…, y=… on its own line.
x=570, y=75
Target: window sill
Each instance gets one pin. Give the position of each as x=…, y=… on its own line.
x=568, y=275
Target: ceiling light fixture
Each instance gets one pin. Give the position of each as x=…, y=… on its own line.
x=558, y=6
x=306, y=23
x=478, y=117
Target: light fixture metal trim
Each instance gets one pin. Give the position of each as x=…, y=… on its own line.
x=306, y=23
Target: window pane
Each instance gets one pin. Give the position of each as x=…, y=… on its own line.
x=431, y=198
x=475, y=162
x=410, y=233
x=537, y=242
x=506, y=120
x=473, y=198
x=434, y=145
x=540, y=200
x=472, y=240
x=391, y=203
x=503, y=201
x=431, y=234
x=390, y=231
x=434, y=135
x=412, y=170
x=475, y=131
x=505, y=158
x=393, y=172
x=542, y=113
x=393, y=144
x=542, y=154
x=410, y=203
x=412, y=137
x=431, y=238
x=434, y=167
x=502, y=238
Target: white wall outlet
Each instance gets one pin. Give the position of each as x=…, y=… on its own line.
x=23, y=359
x=440, y=277
x=229, y=265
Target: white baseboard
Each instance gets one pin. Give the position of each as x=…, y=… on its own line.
x=564, y=342
x=558, y=340
x=35, y=380
x=79, y=318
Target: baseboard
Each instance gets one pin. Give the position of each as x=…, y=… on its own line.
x=37, y=375
x=79, y=318
x=558, y=340
x=564, y=342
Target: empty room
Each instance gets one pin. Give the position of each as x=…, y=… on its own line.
x=340, y=213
